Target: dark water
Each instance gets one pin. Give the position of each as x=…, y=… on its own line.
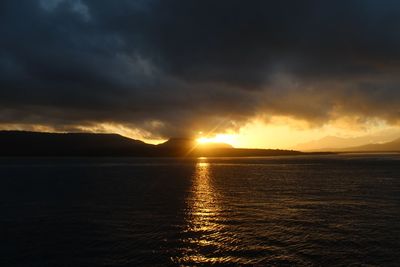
x=294, y=211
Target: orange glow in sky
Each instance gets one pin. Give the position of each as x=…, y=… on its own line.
x=286, y=133
x=219, y=138
x=277, y=132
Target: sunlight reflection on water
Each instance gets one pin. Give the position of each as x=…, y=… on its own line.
x=204, y=227
x=322, y=211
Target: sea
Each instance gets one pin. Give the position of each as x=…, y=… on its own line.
x=327, y=210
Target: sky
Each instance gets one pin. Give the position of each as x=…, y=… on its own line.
x=255, y=73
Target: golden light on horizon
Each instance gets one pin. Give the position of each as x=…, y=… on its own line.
x=230, y=139
x=278, y=132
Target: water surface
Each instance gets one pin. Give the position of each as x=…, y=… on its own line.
x=305, y=211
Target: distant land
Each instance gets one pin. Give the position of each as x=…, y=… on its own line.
x=393, y=146
x=335, y=143
x=22, y=143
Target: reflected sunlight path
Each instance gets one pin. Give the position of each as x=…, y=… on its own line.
x=205, y=234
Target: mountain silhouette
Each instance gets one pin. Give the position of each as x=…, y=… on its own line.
x=184, y=142
x=393, y=146
x=180, y=142
x=21, y=143
x=335, y=143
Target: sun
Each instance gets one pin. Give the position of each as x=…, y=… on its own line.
x=219, y=138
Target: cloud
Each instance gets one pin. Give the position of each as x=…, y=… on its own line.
x=177, y=67
x=75, y=6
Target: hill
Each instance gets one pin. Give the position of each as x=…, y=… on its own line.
x=393, y=146
x=189, y=147
x=334, y=143
x=189, y=143
x=20, y=143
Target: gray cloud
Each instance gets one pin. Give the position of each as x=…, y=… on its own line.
x=172, y=67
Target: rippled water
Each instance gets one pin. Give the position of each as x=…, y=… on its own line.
x=319, y=211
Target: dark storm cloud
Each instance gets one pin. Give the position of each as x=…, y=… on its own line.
x=176, y=66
